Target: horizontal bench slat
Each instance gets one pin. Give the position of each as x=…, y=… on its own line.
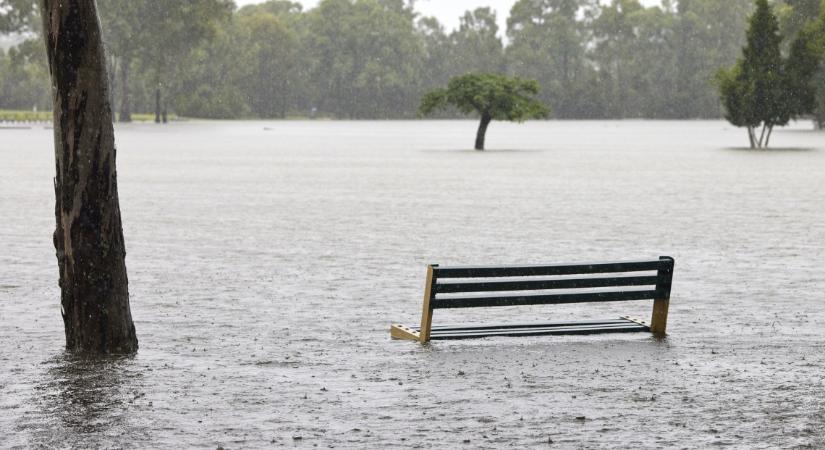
x=553, y=269
x=573, y=329
x=543, y=299
x=547, y=328
x=451, y=287
x=591, y=322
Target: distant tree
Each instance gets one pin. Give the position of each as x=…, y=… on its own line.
x=215, y=81
x=24, y=77
x=753, y=90
x=159, y=35
x=800, y=69
x=818, y=45
x=708, y=34
x=19, y=16
x=615, y=32
x=273, y=50
x=366, y=58
x=492, y=97
x=437, y=52
x=476, y=45
x=795, y=15
x=548, y=43
x=89, y=236
x=123, y=35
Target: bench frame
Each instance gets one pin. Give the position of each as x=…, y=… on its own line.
x=606, y=278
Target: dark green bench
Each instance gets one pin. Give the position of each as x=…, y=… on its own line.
x=473, y=287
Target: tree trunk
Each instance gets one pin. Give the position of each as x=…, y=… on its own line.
x=482, y=131
x=89, y=237
x=125, y=110
x=768, y=137
x=762, y=136
x=157, y=104
x=752, y=137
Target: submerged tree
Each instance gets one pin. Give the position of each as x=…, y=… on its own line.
x=89, y=236
x=492, y=97
x=753, y=90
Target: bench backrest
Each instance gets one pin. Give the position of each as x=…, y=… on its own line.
x=467, y=287
x=534, y=285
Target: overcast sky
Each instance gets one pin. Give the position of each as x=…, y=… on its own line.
x=448, y=11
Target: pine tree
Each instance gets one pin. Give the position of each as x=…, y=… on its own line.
x=753, y=92
x=800, y=69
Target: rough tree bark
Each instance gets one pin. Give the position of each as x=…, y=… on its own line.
x=482, y=130
x=89, y=237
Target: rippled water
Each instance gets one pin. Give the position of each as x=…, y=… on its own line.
x=267, y=260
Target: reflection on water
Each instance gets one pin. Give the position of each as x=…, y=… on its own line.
x=85, y=399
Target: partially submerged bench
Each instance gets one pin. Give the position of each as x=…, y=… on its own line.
x=471, y=287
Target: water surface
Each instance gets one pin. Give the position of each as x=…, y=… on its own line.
x=267, y=260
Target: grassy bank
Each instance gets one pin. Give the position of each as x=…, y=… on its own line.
x=12, y=115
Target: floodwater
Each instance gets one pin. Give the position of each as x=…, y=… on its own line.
x=268, y=259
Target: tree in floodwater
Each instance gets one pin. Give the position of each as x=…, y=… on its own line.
x=753, y=90
x=89, y=236
x=492, y=97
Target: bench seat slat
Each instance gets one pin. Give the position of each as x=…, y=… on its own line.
x=552, y=269
x=528, y=329
x=456, y=332
x=543, y=299
x=450, y=287
x=526, y=325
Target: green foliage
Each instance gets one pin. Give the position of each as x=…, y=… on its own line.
x=272, y=50
x=153, y=37
x=708, y=34
x=377, y=58
x=548, y=43
x=800, y=69
x=752, y=90
x=24, y=77
x=19, y=16
x=488, y=95
x=366, y=58
x=213, y=86
x=476, y=46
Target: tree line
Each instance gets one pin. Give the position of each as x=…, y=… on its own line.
x=367, y=59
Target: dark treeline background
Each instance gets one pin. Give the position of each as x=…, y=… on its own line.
x=375, y=58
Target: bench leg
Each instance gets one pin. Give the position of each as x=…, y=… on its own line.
x=427, y=310
x=402, y=332
x=658, y=323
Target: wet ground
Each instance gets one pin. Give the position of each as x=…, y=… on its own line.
x=267, y=260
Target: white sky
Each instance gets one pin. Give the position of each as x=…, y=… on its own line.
x=448, y=11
